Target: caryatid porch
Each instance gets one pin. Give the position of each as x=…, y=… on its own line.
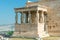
x=33, y=21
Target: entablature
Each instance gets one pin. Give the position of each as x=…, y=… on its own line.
x=31, y=8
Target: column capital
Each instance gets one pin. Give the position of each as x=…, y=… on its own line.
x=16, y=12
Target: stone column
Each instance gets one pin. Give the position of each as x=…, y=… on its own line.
x=42, y=17
x=29, y=17
x=37, y=17
x=26, y=17
x=16, y=17
x=22, y=17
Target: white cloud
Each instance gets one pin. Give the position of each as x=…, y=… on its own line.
x=29, y=1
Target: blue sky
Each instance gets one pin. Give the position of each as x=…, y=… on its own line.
x=7, y=13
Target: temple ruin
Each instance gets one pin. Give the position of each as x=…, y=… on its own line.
x=38, y=19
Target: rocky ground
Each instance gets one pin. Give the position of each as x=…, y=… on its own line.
x=51, y=38
x=46, y=38
x=16, y=39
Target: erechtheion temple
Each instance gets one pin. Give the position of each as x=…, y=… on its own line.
x=38, y=19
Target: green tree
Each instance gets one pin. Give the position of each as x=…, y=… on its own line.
x=9, y=33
